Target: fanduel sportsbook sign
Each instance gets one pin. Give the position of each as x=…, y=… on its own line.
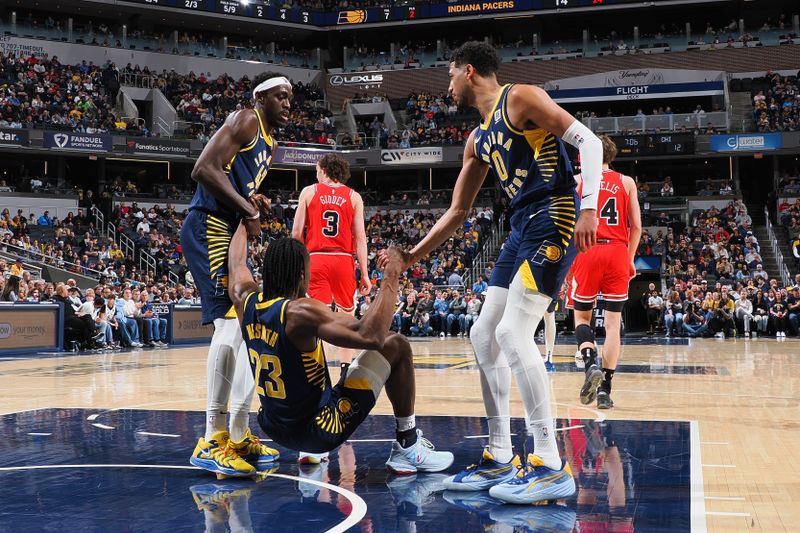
x=410, y=156
x=83, y=142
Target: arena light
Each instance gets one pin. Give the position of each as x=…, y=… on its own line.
x=244, y=2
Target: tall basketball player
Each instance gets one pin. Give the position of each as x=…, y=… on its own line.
x=330, y=222
x=521, y=139
x=229, y=173
x=606, y=269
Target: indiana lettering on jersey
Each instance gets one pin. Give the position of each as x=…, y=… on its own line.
x=262, y=333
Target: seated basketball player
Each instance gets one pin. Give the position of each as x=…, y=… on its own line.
x=300, y=408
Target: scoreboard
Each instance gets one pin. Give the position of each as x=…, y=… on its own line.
x=654, y=144
x=372, y=15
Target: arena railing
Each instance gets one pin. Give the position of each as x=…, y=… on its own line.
x=51, y=260
x=786, y=278
x=715, y=119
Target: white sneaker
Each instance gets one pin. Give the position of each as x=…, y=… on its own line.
x=579, y=360
x=441, y=335
x=306, y=458
x=419, y=457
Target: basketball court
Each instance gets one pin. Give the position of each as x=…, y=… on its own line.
x=701, y=440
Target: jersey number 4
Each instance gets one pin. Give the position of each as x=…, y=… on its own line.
x=272, y=385
x=331, y=228
x=609, y=212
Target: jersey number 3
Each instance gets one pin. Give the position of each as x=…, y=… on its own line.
x=609, y=212
x=331, y=228
x=272, y=385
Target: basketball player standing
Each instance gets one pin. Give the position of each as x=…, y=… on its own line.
x=606, y=269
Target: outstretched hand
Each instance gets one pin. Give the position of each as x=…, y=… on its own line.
x=393, y=261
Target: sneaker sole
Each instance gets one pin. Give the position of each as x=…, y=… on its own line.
x=590, y=384
x=212, y=466
x=401, y=470
x=565, y=490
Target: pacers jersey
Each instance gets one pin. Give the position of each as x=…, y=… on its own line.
x=291, y=385
x=246, y=171
x=529, y=164
x=329, y=219
x=612, y=205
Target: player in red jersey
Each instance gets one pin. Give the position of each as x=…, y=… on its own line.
x=330, y=222
x=606, y=269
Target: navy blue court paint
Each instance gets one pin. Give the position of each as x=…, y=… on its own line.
x=631, y=475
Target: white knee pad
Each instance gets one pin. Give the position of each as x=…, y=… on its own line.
x=368, y=368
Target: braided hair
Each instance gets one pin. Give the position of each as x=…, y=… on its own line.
x=284, y=264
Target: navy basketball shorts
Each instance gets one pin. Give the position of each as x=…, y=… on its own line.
x=205, y=240
x=539, y=247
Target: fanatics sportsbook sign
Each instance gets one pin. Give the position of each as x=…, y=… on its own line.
x=144, y=145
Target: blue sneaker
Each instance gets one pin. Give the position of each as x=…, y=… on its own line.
x=552, y=518
x=477, y=502
x=419, y=457
x=550, y=367
x=411, y=494
x=483, y=475
x=536, y=483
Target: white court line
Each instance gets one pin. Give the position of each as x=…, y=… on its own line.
x=718, y=466
x=148, y=434
x=726, y=498
x=92, y=417
x=698, y=503
x=359, y=506
x=102, y=426
x=32, y=434
x=723, y=513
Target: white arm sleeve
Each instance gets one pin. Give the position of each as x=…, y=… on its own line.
x=591, y=151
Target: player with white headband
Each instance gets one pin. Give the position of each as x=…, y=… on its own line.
x=229, y=174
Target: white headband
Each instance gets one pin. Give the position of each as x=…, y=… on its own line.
x=270, y=83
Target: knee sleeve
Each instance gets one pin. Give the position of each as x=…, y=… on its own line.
x=482, y=331
x=369, y=367
x=584, y=333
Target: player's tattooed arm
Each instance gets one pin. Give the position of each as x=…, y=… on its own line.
x=239, y=129
x=240, y=280
x=308, y=320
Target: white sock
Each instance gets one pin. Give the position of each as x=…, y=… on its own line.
x=500, y=438
x=525, y=308
x=241, y=394
x=219, y=373
x=404, y=423
x=549, y=335
x=544, y=442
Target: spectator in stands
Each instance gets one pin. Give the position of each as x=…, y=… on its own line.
x=458, y=309
x=655, y=307
x=761, y=312
x=45, y=219
x=673, y=314
x=10, y=291
x=793, y=309
x=760, y=273
x=17, y=269
x=480, y=286
x=778, y=313
x=420, y=323
x=474, y=304
x=694, y=320
x=667, y=188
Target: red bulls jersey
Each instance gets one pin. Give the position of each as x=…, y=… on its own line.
x=612, y=208
x=329, y=220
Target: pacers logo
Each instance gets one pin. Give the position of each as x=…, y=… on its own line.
x=346, y=408
x=355, y=16
x=548, y=251
x=553, y=253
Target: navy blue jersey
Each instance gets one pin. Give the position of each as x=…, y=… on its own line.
x=246, y=171
x=529, y=164
x=291, y=385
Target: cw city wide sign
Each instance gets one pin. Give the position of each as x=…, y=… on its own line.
x=84, y=142
x=14, y=137
x=411, y=155
x=362, y=81
x=745, y=143
x=145, y=145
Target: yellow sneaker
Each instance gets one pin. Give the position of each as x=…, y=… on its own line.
x=253, y=451
x=216, y=455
